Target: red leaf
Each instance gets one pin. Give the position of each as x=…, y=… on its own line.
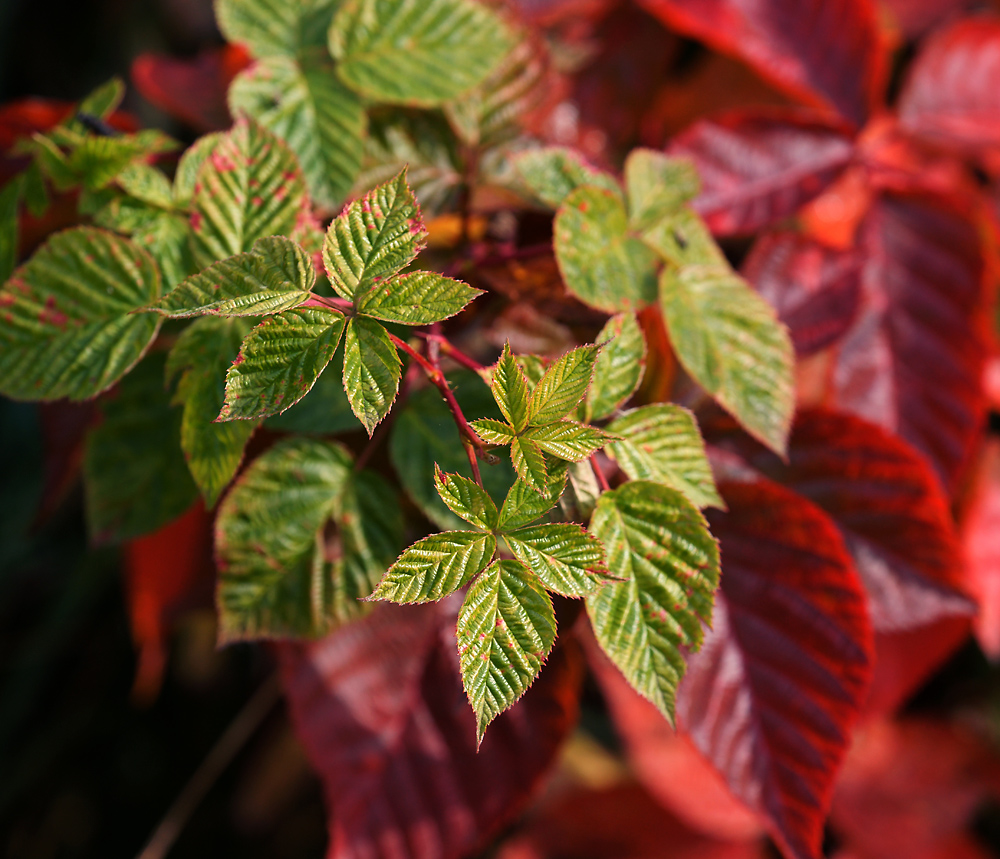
x=814, y=288
x=913, y=360
x=952, y=94
x=758, y=166
x=981, y=538
x=771, y=697
x=620, y=822
x=165, y=572
x=193, y=91
x=909, y=788
x=669, y=766
x=826, y=52
x=889, y=507
x=381, y=710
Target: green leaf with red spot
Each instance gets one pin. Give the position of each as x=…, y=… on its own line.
x=467, y=499
x=566, y=559
x=418, y=298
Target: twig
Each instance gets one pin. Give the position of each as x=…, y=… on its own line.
x=341, y=304
x=228, y=745
x=605, y=487
x=450, y=350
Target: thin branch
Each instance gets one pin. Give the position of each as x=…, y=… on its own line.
x=241, y=729
x=341, y=304
x=605, y=487
x=448, y=349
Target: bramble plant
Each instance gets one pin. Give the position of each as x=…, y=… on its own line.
x=340, y=259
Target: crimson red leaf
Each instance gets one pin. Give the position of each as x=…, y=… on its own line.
x=826, y=52
x=913, y=360
x=771, y=697
x=952, y=94
x=193, y=91
x=981, y=539
x=669, y=766
x=381, y=710
x=759, y=166
x=814, y=288
x=889, y=507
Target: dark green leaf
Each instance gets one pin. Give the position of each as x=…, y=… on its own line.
x=436, y=566
x=371, y=371
x=325, y=410
x=659, y=543
x=506, y=628
x=68, y=330
x=601, y=262
x=662, y=443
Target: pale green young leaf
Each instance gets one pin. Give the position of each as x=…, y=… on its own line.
x=568, y=440
x=659, y=543
x=662, y=443
x=418, y=298
x=248, y=187
x=436, y=566
x=731, y=342
x=276, y=28
x=305, y=104
x=424, y=434
x=465, y=498
x=506, y=628
x=275, y=579
x=373, y=239
x=202, y=354
x=523, y=504
x=276, y=275
x=684, y=240
x=10, y=202
x=416, y=52
x=619, y=367
x=510, y=390
x=562, y=386
x=189, y=166
x=371, y=371
x=97, y=161
x=493, y=431
x=552, y=173
x=146, y=183
x=529, y=462
x=566, y=559
x=69, y=330
x=279, y=362
x=657, y=186
x=103, y=100
x=602, y=263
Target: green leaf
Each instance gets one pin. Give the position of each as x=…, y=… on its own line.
x=684, y=240
x=167, y=239
x=36, y=195
x=730, y=341
x=10, y=202
x=304, y=103
x=373, y=239
x=424, y=433
x=281, y=28
x=563, y=385
x=325, y=410
x=510, y=390
x=286, y=569
x=134, y=477
x=190, y=164
x=51, y=161
x=436, y=566
x=523, y=504
x=662, y=443
x=248, y=187
x=371, y=371
x=146, y=183
x=582, y=492
x=418, y=298
x=466, y=499
x=657, y=186
x=68, y=327
x=566, y=559
x=416, y=52
x=659, y=543
x=280, y=361
x=98, y=160
x=618, y=369
x=493, y=431
x=568, y=440
x=506, y=628
x=202, y=354
x=529, y=462
x=276, y=275
x=602, y=263
x=552, y=173
x=102, y=101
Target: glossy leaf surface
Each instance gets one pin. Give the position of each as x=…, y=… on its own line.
x=418, y=298
x=371, y=371
x=565, y=558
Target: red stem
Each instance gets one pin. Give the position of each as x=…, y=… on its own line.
x=600, y=473
x=452, y=351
